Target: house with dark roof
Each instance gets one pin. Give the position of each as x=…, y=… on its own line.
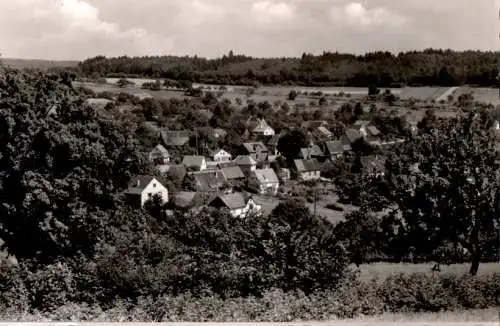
x=246, y=163
x=232, y=173
x=257, y=150
x=335, y=148
x=159, y=155
x=264, y=181
x=210, y=181
x=239, y=204
x=272, y=146
x=307, y=169
x=313, y=151
x=175, y=138
x=313, y=124
x=367, y=130
x=142, y=188
x=194, y=162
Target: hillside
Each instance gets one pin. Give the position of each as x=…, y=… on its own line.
x=430, y=67
x=37, y=63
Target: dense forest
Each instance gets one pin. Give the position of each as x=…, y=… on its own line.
x=430, y=67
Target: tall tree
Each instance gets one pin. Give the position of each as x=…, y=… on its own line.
x=443, y=187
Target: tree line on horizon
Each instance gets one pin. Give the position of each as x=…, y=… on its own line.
x=430, y=67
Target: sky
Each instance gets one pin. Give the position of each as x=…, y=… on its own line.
x=79, y=29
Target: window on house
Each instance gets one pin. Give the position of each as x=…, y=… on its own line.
x=150, y=195
x=154, y=185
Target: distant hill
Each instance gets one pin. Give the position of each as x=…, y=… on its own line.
x=36, y=63
x=430, y=67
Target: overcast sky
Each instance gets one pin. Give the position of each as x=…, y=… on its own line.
x=78, y=29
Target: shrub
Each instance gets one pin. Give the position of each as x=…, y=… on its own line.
x=334, y=207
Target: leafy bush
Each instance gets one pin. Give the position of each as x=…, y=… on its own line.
x=335, y=207
x=353, y=298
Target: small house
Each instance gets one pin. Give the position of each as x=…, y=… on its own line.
x=307, y=169
x=232, y=173
x=334, y=149
x=159, y=155
x=239, y=204
x=175, y=138
x=313, y=151
x=284, y=174
x=142, y=188
x=257, y=150
x=221, y=155
x=195, y=162
x=246, y=163
x=265, y=181
x=261, y=128
x=210, y=181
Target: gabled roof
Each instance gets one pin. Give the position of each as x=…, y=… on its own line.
x=193, y=160
x=217, y=151
x=232, y=172
x=138, y=183
x=373, y=131
x=253, y=147
x=352, y=135
x=175, y=138
x=160, y=149
x=266, y=176
x=314, y=124
x=324, y=131
x=244, y=160
x=208, y=180
x=311, y=151
x=184, y=198
x=232, y=201
x=334, y=147
x=261, y=126
x=361, y=123
x=306, y=165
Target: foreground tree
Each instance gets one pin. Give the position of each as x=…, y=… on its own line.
x=61, y=168
x=442, y=187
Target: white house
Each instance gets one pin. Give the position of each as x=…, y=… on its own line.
x=237, y=203
x=263, y=129
x=143, y=187
x=195, y=162
x=265, y=181
x=159, y=155
x=307, y=169
x=221, y=155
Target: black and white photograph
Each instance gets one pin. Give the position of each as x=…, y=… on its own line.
x=256, y=161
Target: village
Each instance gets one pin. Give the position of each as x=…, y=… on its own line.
x=250, y=181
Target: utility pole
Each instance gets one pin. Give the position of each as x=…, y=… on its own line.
x=196, y=136
x=315, y=197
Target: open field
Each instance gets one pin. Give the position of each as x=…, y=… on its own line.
x=36, y=64
x=280, y=93
x=473, y=315
x=382, y=270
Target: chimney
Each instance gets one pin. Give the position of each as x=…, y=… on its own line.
x=138, y=183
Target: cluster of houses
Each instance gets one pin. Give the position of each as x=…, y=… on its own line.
x=228, y=178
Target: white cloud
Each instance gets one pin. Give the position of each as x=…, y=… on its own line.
x=197, y=12
x=355, y=13
x=77, y=29
x=268, y=12
x=72, y=29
